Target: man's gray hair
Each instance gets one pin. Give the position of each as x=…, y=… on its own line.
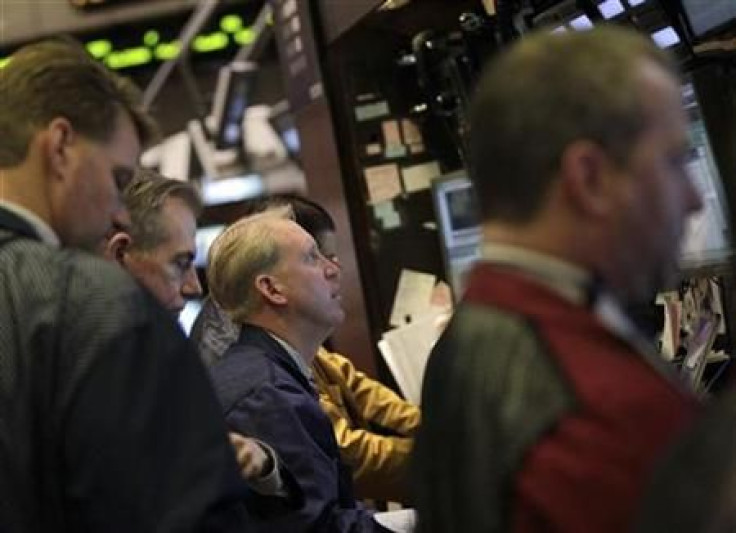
x=145, y=197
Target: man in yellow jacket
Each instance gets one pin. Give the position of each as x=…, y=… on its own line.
x=374, y=427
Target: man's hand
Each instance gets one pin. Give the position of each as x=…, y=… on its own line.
x=253, y=461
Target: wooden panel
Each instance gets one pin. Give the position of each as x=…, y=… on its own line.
x=338, y=16
x=324, y=185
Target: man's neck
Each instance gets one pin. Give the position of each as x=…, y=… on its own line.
x=305, y=343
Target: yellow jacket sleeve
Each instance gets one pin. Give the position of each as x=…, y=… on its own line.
x=372, y=424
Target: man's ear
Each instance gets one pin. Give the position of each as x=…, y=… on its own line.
x=270, y=289
x=588, y=178
x=59, y=136
x=117, y=246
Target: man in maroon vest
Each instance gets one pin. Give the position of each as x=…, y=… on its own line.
x=544, y=408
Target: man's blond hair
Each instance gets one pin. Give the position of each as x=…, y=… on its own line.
x=242, y=252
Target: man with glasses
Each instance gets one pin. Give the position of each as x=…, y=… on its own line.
x=157, y=247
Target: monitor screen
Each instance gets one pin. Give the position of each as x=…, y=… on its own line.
x=707, y=15
x=706, y=238
x=457, y=211
x=282, y=121
x=189, y=314
x=204, y=238
x=232, y=95
x=458, y=224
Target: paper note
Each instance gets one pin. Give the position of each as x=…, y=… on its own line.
x=391, y=135
x=410, y=132
x=413, y=296
x=416, y=148
x=383, y=182
x=394, y=151
x=401, y=521
x=419, y=177
x=387, y=214
x=369, y=111
x=406, y=350
x=373, y=149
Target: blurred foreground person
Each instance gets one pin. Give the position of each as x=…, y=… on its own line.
x=544, y=409
x=107, y=419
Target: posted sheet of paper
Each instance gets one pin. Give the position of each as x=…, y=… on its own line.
x=419, y=177
x=406, y=350
x=401, y=521
x=383, y=182
x=411, y=132
x=391, y=135
x=388, y=215
x=413, y=296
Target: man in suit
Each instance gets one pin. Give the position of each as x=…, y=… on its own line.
x=157, y=246
x=107, y=419
x=269, y=275
x=373, y=426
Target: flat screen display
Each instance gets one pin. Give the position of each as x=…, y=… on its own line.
x=204, y=238
x=707, y=237
x=707, y=15
x=189, y=314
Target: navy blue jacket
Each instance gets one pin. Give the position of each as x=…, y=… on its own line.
x=264, y=395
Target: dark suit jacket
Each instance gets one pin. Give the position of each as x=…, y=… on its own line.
x=264, y=395
x=107, y=419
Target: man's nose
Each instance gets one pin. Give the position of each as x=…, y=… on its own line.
x=191, y=288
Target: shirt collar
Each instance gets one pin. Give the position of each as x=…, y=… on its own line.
x=580, y=287
x=298, y=360
x=44, y=231
x=570, y=281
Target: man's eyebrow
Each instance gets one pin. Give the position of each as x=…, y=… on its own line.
x=123, y=173
x=188, y=255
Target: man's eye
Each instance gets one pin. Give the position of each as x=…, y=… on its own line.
x=122, y=178
x=183, y=265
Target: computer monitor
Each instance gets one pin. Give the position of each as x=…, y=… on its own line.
x=189, y=314
x=204, y=238
x=706, y=240
x=282, y=121
x=709, y=16
x=458, y=224
x=232, y=95
x=566, y=15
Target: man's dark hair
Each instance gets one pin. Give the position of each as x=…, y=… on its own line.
x=57, y=78
x=545, y=93
x=311, y=216
x=144, y=198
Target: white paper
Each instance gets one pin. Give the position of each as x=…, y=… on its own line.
x=401, y=521
x=413, y=296
x=383, y=182
x=411, y=132
x=391, y=135
x=419, y=177
x=406, y=350
x=388, y=215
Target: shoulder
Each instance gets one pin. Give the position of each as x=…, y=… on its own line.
x=243, y=370
x=73, y=274
x=496, y=359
